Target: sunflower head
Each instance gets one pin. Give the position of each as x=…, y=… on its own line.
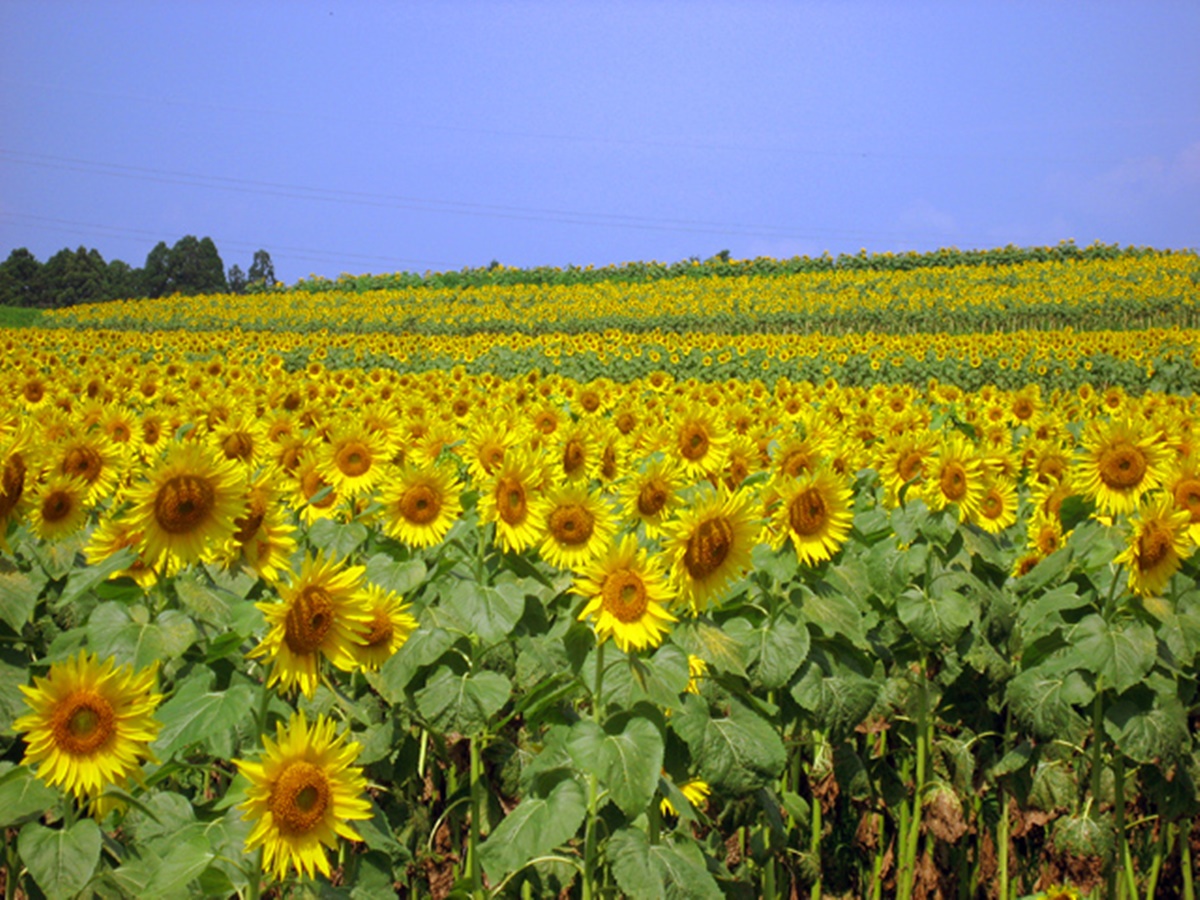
x=626, y=593
x=90, y=723
x=303, y=793
x=711, y=544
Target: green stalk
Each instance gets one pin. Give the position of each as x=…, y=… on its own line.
x=476, y=788
x=1123, y=853
x=1185, y=860
x=589, y=834
x=1097, y=751
x=1166, y=833
x=815, y=837
x=13, y=866
x=1002, y=841
x=911, y=838
x=903, y=880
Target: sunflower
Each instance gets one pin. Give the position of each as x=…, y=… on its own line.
x=389, y=628
x=58, y=507
x=114, y=535
x=955, y=477
x=94, y=459
x=1119, y=463
x=578, y=524
x=485, y=446
x=421, y=504
x=1158, y=544
x=694, y=791
x=313, y=496
x=303, y=791
x=711, y=544
x=242, y=438
x=263, y=541
x=698, y=441
x=320, y=613
x=626, y=591
x=998, y=508
x=1185, y=487
x=651, y=495
x=354, y=461
x=814, y=513
x=513, y=500
x=576, y=452
x=187, y=506
x=90, y=724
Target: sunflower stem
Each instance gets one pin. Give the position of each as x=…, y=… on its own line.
x=589, y=836
x=476, y=811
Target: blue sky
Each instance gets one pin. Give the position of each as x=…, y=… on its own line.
x=371, y=137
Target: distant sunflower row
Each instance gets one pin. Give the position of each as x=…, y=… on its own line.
x=1123, y=292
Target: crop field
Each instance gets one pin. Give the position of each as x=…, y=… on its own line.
x=869, y=577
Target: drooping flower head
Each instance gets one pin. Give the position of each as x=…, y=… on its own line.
x=304, y=792
x=711, y=544
x=320, y=614
x=90, y=724
x=1158, y=544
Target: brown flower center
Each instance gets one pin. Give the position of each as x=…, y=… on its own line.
x=911, y=465
x=652, y=498
x=308, y=619
x=184, y=503
x=510, y=501
x=574, y=456
x=353, y=459
x=381, y=630
x=12, y=484
x=693, y=441
x=299, y=798
x=238, y=445
x=1187, y=496
x=83, y=462
x=571, y=524
x=953, y=481
x=312, y=484
x=623, y=596
x=420, y=504
x=83, y=723
x=56, y=506
x=808, y=512
x=708, y=547
x=1155, y=544
x=993, y=505
x=1122, y=466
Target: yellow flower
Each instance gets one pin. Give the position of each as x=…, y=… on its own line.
x=513, y=501
x=652, y=494
x=421, y=504
x=91, y=723
x=1119, y=464
x=578, y=525
x=694, y=791
x=59, y=507
x=187, y=507
x=712, y=544
x=1157, y=546
x=303, y=793
x=389, y=628
x=955, y=477
x=998, y=508
x=814, y=513
x=626, y=590
x=319, y=614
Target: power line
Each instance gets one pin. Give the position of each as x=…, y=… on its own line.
x=452, y=207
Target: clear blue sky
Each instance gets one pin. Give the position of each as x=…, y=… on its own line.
x=370, y=136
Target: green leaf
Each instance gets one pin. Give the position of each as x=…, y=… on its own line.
x=61, y=860
x=935, y=618
x=14, y=672
x=130, y=638
x=400, y=577
x=23, y=794
x=196, y=715
x=534, y=828
x=739, y=752
x=837, y=615
x=491, y=612
x=337, y=538
x=81, y=581
x=669, y=869
x=1121, y=653
x=19, y=593
x=164, y=867
x=1151, y=731
x=635, y=872
x=1045, y=697
x=424, y=647
x=1084, y=836
x=702, y=638
x=780, y=647
x=660, y=679
x=630, y=764
x=462, y=703
x=838, y=703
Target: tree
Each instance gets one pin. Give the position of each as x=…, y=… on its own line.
x=236, y=279
x=71, y=277
x=124, y=281
x=155, y=279
x=262, y=270
x=195, y=267
x=19, y=277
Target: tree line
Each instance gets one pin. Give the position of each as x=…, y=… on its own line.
x=70, y=277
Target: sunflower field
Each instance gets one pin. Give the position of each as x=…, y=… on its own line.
x=869, y=577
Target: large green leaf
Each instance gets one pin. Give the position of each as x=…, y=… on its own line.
x=935, y=618
x=164, y=867
x=665, y=870
x=424, y=647
x=740, y=752
x=196, y=715
x=837, y=703
x=462, y=703
x=534, y=828
x=337, y=538
x=631, y=761
x=61, y=860
x=19, y=593
x=129, y=636
x=400, y=577
x=700, y=637
x=1121, y=653
x=491, y=611
x=836, y=614
x=1045, y=698
x=660, y=678
x=779, y=647
x=1147, y=727
x=23, y=795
